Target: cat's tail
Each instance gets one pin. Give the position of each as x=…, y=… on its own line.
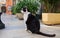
x=48, y=35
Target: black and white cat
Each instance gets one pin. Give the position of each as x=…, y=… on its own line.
x=33, y=23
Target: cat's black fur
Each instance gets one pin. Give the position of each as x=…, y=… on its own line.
x=33, y=25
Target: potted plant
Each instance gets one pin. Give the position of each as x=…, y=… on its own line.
x=51, y=12
x=32, y=5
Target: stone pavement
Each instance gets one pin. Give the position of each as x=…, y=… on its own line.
x=15, y=28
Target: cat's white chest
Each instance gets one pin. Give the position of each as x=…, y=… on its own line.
x=26, y=16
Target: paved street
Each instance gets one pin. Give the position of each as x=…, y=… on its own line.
x=15, y=28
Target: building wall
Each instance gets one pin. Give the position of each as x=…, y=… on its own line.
x=2, y=2
x=8, y=5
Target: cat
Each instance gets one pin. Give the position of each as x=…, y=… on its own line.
x=33, y=23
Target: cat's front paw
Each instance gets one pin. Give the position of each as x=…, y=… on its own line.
x=28, y=30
